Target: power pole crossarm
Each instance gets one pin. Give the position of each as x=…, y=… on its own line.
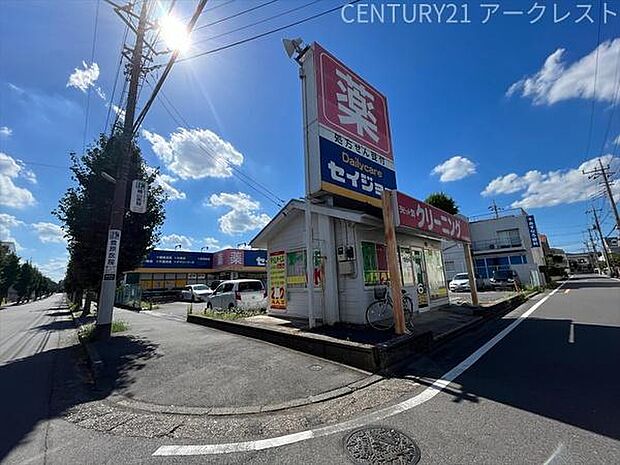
x=604, y=172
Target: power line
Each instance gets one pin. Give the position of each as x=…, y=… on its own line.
x=256, y=23
x=598, y=44
x=236, y=15
x=92, y=59
x=118, y=71
x=252, y=183
x=264, y=34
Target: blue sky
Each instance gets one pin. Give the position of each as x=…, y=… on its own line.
x=504, y=106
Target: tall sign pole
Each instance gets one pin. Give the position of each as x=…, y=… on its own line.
x=123, y=148
x=388, y=202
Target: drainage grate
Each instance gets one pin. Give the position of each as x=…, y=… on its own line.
x=315, y=368
x=377, y=446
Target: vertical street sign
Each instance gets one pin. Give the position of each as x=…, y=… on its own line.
x=139, y=196
x=111, y=255
x=531, y=225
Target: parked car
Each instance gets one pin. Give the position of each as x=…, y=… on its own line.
x=460, y=283
x=196, y=293
x=505, y=279
x=243, y=294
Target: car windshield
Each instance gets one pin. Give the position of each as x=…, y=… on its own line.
x=250, y=286
x=461, y=276
x=502, y=274
x=200, y=287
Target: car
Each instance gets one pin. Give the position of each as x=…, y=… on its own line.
x=196, y=293
x=242, y=294
x=505, y=279
x=459, y=283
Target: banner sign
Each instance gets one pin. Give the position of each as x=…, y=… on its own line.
x=139, y=196
x=111, y=255
x=178, y=259
x=531, y=226
x=277, y=280
x=344, y=172
x=415, y=214
x=348, y=131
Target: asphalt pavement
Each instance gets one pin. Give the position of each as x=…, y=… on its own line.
x=539, y=386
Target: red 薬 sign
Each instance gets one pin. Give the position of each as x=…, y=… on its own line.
x=349, y=105
x=413, y=213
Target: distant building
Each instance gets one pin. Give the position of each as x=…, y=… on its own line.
x=509, y=241
x=8, y=246
x=613, y=244
x=582, y=262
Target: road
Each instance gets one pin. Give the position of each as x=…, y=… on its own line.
x=539, y=386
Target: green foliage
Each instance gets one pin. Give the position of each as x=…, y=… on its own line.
x=84, y=211
x=118, y=326
x=234, y=315
x=9, y=272
x=443, y=201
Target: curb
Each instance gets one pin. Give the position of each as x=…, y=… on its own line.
x=249, y=409
x=94, y=359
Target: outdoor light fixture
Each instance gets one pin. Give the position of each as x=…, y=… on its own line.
x=178, y=247
x=206, y=247
x=293, y=46
x=242, y=244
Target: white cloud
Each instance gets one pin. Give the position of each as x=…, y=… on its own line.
x=244, y=212
x=165, y=182
x=7, y=224
x=82, y=79
x=54, y=268
x=553, y=187
x=214, y=244
x=10, y=194
x=617, y=140
x=120, y=112
x=172, y=240
x=557, y=80
x=454, y=169
x=195, y=153
x=49, y=233
x=5, y=131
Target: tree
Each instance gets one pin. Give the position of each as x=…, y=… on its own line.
x=25, y=281
x=443, y=201
x=84, y=211
x=9, y=271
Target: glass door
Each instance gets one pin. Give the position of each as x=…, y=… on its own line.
x=420, y=277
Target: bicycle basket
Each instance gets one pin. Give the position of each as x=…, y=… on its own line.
x=380, y=292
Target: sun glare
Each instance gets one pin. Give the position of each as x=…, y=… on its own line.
x=174, y=33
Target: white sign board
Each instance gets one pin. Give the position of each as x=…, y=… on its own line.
x=139, y=196
x=111, y=254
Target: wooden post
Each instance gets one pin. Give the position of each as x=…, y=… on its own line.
x=469, y=261
x=392, y=260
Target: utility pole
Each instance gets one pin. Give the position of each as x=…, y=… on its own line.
x=123, y=148
x=604, y=172
x=593, y=246
x=597, y=226
x=495, y=209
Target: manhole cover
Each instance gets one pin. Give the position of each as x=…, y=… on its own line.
x=315, y=367
x=377, y=445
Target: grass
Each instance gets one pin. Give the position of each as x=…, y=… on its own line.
x=235, y=315
x=87, y=332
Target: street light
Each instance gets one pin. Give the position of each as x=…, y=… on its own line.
x=242, y=244
x=178, y=247
x=206, y=247
x=296, y=50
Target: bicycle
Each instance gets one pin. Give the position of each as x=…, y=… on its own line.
x=380, y=312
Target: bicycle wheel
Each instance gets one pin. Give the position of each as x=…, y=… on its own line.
x=408, y=311
x=379, y=315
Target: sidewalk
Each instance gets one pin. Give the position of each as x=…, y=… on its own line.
x=169, y=366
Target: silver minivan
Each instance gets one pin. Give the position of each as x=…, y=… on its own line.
x=242, y=294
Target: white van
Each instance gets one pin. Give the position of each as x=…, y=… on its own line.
x=242, y=294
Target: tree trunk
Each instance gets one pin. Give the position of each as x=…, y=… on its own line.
x=79, y=295
x=87, y=302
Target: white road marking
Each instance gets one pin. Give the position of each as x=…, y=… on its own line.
x=558, y=451
x=571, y=333
x=373, y=417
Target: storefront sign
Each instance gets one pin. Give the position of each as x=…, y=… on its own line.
x=139, y=196
x=344, y=172
x=277, y=280
x=255, y=258
x=415, y=214
x=348, y=131
x=531, y=226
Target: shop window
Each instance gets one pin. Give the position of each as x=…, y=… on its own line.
x=434, y=270
x=375, y=264
x=406, y=266
x=509, y=238
x=296, y=269
x=518, y=260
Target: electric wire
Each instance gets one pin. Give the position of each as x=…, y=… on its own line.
x=92, y=60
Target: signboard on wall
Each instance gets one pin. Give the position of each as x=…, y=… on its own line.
x=178, y=259
x=415, y=214
x=277, y=280
x=255, y=258
x=531, y=226
x=349, y=143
